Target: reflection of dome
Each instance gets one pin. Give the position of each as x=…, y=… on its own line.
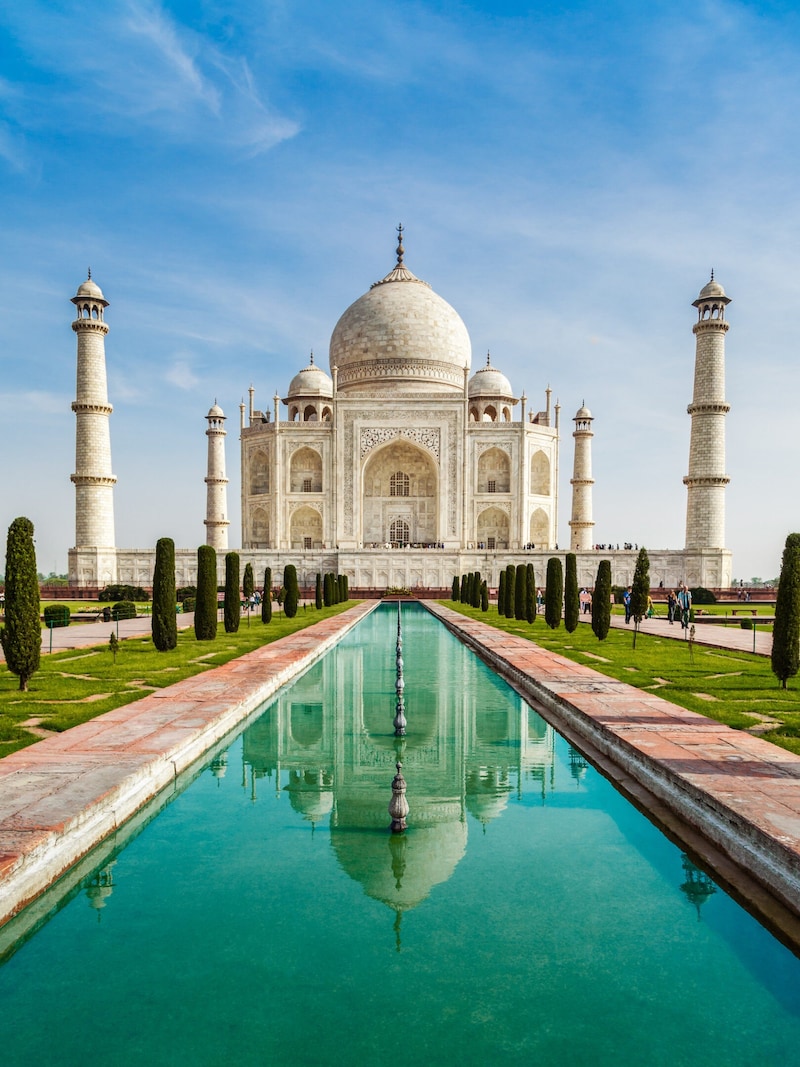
x=311, y=381
x=489, y=381
x=401, y=876
x=310, y=794
x=400, y=335
x=487, y=794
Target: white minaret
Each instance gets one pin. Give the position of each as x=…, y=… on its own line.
x=581, y=524
x=94, y=482
x=706, y=480
x=216, y=520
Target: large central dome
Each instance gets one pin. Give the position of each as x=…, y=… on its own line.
x=400, y=338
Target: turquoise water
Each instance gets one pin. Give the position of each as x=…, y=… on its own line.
x=529, y=914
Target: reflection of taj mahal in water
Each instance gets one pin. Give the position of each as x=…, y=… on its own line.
x=461, y=757
x=401, y=467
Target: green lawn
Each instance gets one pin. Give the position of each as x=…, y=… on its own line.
x=73, y=686
x=735, y=688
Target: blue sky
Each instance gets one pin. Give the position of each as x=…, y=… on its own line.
x=567, y=175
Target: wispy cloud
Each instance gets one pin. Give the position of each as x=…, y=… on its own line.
x=182, y=375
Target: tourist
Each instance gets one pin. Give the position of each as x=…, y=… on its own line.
x=672, y=603
x=626, y=600
x=684, y=604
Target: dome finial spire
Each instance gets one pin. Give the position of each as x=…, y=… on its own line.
x=89, y=274
x=488, y=358
x=312, y=357
x=400, y=249
x=712, y=274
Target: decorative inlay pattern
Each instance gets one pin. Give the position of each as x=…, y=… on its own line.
x=371, y=436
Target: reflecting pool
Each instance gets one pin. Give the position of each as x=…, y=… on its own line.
x=529, y=913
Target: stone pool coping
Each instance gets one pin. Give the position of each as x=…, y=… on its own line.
x=732, y=798
x=62, y=796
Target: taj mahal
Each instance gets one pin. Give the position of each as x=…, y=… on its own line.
x=402, y=466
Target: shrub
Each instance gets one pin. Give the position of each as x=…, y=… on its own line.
x=572, y=601
x=554, y=593
x=164, y=623
x=484, y=597
x=520, y=590
x=700, y=595
x=747, y=624
x=601, y=601
x=205, y=612
x=508, y=607
x=126, y=609
x=186, y=591
x=292, y=591
x=21, y=636
x=327, y=590
x=56, y=615
x=501, y=594
x=266, y=598
x=455, y=595
x=232, y=612
x=318, y=591
x=786, y=630
x=122, y=592
x=188, y=603
x=530, y=594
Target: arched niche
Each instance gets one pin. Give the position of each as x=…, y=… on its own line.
x=306, y=528
x=400, y=483
x=259, y=473
x=492, y=529
x=540, y=528
x=306, y=471
x=540, y=473
x=494, y=471
x=259, y=529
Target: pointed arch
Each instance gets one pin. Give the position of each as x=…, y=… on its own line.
x=259, y=473
x=540, y=473
x=306, y=528
x=259, y=529
x=494, y=471
x=492, y=528
x=540, y=528
x=306, y=471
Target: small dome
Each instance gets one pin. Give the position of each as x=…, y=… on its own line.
x=215, y=412
x=311, y=381
x=712, y=291
x=583, y=413
x=90, y=289
x=489, y=381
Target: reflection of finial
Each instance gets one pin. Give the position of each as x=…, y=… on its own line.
x=398, y=805
x=398, y=919
x=400, y=249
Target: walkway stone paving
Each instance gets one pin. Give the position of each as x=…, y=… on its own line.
x=61, y=796
x=740, y=791
x=712, y=634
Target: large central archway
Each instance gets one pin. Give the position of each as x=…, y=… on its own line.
x=399, y=496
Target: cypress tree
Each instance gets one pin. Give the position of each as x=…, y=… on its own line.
x=327, y=590
x=786, y=630
x=501, y=594
x=601, y=600
x=572, y=601
x=484, y=597
x=640, y=590
x=477, y=586
x=520, y=590
x=455, y=596
x=318, y=592
x=292, y=591
x=346, y=587
x=233, y=604
x=21, y=636
x=463, y=594
x=340, y=584
x=266, y=598
x=164, y=621
x=205, y=609
x=511, y=571
x=530, y=594
x=554, y=593
x=470, y=588
x=248, y=587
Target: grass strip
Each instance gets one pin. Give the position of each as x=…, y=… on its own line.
x=76, y=685
x=734, y=688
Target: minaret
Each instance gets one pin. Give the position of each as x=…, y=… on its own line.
x=706, y=480
x=581, y=524
x=216, y=520
x=93, y=479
